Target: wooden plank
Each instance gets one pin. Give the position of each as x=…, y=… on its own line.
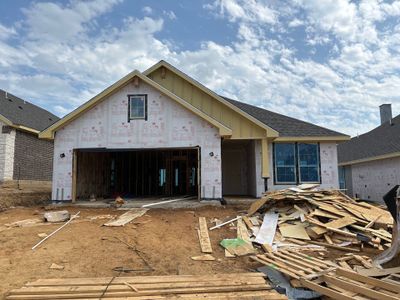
x=74, y=170
x=144, y=279
x=204, y=238
x=242, y=232
x=358, y=288
x=170, y=291
x=323, y=290
x=272, y=295
x=368, y=280
x=127, y=217
x=142, y=287
x=338, y=223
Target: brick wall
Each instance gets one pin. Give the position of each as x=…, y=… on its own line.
x=7, y=138
x=33, y=159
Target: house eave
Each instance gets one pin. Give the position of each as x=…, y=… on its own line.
x=370, y=159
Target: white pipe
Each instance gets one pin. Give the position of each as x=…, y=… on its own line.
x=227, y=222
x=167, y=201
x=73, y=217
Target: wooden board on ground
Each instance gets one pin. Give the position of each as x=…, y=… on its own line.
x=204, y=238
x=294, y=231
x=127, y=217
x=220, y=286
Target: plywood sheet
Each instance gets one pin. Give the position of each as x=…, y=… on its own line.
x=294, y=231
x=127, y=217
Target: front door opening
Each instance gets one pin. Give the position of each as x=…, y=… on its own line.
x=136, y=173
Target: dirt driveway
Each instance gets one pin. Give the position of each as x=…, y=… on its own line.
x=166, y=238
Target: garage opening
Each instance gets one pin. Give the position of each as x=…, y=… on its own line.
x=137, y=173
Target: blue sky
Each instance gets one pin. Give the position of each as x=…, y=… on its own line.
x=330, y=62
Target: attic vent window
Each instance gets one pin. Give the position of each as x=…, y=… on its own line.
x=137, y=107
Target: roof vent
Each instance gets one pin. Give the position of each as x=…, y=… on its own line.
x=386, y=113
x=20, y=107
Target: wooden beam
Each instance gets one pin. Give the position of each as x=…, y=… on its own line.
x=74, y=171
x=265, y=158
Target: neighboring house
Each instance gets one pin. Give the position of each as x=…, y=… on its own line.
x=161, y=133
x=370, y=163
x=23, y=156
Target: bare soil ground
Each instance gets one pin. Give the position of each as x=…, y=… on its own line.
x=167, y=239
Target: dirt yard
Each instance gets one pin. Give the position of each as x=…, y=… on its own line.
x=167, y=239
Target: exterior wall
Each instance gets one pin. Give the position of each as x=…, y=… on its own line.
x=7, y=144
x=241, y=126
x=33, y=157
x=329, y=167
x=372, y=180
x=169, y=125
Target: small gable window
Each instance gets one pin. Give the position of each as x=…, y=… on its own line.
x=137, y=107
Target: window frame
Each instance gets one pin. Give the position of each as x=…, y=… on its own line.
x=276, y=166
x=318, y=163
x=144, y=98
x=297, y=164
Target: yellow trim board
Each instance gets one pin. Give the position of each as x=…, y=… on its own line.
x=48, y=133
x=20, y=127
x=337, y=138
x=270, y=131
x=364, y=160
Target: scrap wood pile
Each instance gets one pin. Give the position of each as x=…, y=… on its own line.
x=222, y=286
x=305, y=232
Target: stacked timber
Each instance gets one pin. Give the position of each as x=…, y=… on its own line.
x=221, y=286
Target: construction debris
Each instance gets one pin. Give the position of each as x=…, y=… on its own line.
x=220, y=286
x=127, y=217
x=205, y=257
x=56, y=216
x=299, y=224
x=54, y=232
x=56, y=267
x=204, y=238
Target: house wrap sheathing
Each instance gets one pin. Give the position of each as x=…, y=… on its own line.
x=188, y=141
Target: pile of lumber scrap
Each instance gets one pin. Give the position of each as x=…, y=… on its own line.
x=327, y=218
x=220, y=286
x=313, y=235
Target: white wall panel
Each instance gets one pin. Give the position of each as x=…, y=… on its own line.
x=169, y=125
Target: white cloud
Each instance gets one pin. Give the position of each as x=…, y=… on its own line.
x=66, y=58
x=295, y=23
x=147, y=10
x=244, y=10
x=50, y=21
x=6, y=32
x=169, y=14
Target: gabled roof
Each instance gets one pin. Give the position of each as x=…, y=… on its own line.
x=162, y=63
x=287, y=126
x=21, y=114
x=381, y=142
x=48, y=133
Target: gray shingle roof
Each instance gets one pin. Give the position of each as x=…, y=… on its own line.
x=286, y=126
x=21, y=112
x=384, y=139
